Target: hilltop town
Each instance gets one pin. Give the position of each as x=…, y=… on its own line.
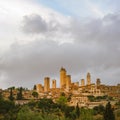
x=85, y=95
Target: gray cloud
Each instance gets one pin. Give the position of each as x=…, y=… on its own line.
x=34, y=24
x=96, y=49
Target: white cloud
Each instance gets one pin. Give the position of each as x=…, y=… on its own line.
x=55, y=40
x=12, y=12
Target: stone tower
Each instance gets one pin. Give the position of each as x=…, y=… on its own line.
x=39, y=88
x=88, y=79
x=98, y=82
x=68, y=81
x=46, y=84
x=82, y=82
x=53, y=83
x=62, y=77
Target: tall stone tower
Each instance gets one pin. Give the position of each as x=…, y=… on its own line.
x=82, y=82
x=88, y=79
x=46, y=84
x=62, y=77
x=53, y=83
x=98, y=82
x=39, y=88
x=68, y=81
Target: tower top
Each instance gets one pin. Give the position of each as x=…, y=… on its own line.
x=88, y=74
x=62, y=69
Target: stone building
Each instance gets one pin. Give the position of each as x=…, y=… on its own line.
x=88, y=79
x=54, y=84
x=82, y=82
x=98, y=82
x=62, y=77
x=46, y=84
x=68, y=82
x=39, y=88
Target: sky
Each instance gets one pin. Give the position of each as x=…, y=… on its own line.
x=38, y=37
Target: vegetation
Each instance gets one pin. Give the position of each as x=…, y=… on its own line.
x=98, y=98
x=98, y=110
x=34, y=87
x=19, y=94
x=46, y=109
x=35, y=94
x=108, y=114
x=11, y=95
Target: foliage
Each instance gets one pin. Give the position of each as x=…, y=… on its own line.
x=11, y=95
x=62, y=100
x=99, y=98
x=35, y=94
x=6, y=106
x=118, y=104
x=69, y=112
x=46, y=109
x=32, y=104
x=34, y=87
x=91, y=98
x=86, y=114
x=108, y=114
x=13, y=88
x=47, y=105
x=26, y=114
x=62, y=94
x=1, y=96
x=99, y=109
x=77, y=111
x=69, y=98
x=19, y=94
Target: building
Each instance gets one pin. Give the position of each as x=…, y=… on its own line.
x=68, y=82
x=88, y=79
x=98, y=82
x=54, y=84
x=62, y=77
x=82, y=82
x=46, y=84
x=39, y=88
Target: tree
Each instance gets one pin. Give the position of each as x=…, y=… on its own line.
x=91, y=98
x=77, y=111
x=1, y=96
x=108, y=114
x=99, y=109
x=11, y=95
x=35, y=94
x=26, y=113
x=86, y=114
x=6, y=106
x=62, y=94
x=47, y=105
x=34, y=88
x=62, y=100
x=70, y=113
x=19, y=94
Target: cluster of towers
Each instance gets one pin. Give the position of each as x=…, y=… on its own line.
x=46, y=86
x=88, y=80
x=65, y=82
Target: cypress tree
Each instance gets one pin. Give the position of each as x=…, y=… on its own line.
x=108, y=114
x=11, y=95
x=77, y=111
x=19, y=95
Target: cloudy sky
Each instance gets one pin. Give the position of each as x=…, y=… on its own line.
x=37, y=37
